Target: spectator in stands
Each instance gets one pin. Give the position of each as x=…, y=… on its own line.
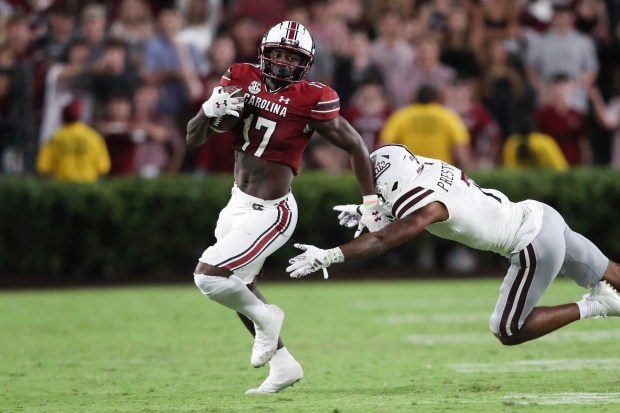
x=18, y=68
x=428, y=70
x=172, y=65
x=76, y=153
x=353, y=68
x=430, y=129
x=93, y=26
x=394, y=56
x=65, y=82
x=592, y=20
x=11, y=155
x=265, y=13
x=536, y=16
x=201, y=19
x=369, y=110
x=51, y=46
x=161, y=147
x=486, y=137
x=565, y=124
x=503, y=88
x=494, y=19
x=530, y=149
x=113, y=73
x=247, y=33
x=608, y=116
x=134, y=24
x=457, y=47
x=222, y=54
x=563, y=50
x=122, y=143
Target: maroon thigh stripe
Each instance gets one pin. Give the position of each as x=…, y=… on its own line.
x=280, y=225
x=511, y=295
x=514, y=325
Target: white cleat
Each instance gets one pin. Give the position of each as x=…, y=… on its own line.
x=266, y=339
x=280, y=378
x=608, y=297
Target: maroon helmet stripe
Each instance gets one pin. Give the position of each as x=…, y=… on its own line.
x=292, y=31
x=399, y=214
x=283, y=221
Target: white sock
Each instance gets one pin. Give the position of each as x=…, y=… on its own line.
x=589, y=308
x=281, y=356
x=231, y=292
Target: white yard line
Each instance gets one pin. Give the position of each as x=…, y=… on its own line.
x=527, y=366
x=562, y=336
x=435, y=318
x=563, y=398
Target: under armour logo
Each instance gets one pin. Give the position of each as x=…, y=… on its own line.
x=225, y=103
x=285, y=100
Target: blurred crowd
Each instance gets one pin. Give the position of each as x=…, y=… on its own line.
x=480, y=83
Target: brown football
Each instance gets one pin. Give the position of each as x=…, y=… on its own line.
x=227, y=122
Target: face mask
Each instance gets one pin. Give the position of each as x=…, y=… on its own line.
x=282, y=71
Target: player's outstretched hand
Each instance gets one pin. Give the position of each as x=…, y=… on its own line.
x=368, y=215
x=223, y=102
x=313, y=259
x=349, y=215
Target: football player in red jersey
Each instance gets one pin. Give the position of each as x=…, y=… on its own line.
x=279, y=111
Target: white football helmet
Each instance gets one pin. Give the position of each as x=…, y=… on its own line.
x=395, y=167
x=292, y=36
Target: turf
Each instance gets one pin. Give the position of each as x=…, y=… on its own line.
x=407, y=346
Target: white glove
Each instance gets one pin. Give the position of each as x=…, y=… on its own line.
x=349, y=215
x=313, y=259
x=373, y=217
x=223, y=103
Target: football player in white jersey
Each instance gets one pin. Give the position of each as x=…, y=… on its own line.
x=428, y=194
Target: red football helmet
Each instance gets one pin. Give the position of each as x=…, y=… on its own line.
x=292, y=36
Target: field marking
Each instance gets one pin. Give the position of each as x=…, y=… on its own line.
x=527, y=366
x=479, y=338
x=435, y=318
x=431, y=340
x=563, y=398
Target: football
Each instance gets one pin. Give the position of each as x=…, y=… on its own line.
x=227, y=122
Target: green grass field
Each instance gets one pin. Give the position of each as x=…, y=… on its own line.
x=407, y=346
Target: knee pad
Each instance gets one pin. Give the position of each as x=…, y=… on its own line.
x=220, y=287
x=208, y=284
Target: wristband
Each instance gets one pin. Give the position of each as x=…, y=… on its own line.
x=335, y=255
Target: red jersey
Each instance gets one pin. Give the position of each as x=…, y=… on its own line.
x=275, y=124
x=567, y=128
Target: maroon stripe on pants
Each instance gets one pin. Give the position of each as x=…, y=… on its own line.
x=282, y=223
x=514, y=325
x=511, y=295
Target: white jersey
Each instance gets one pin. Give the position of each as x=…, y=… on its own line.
x=483, y=219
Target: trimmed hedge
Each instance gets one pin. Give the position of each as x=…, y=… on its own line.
x=125, y=227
